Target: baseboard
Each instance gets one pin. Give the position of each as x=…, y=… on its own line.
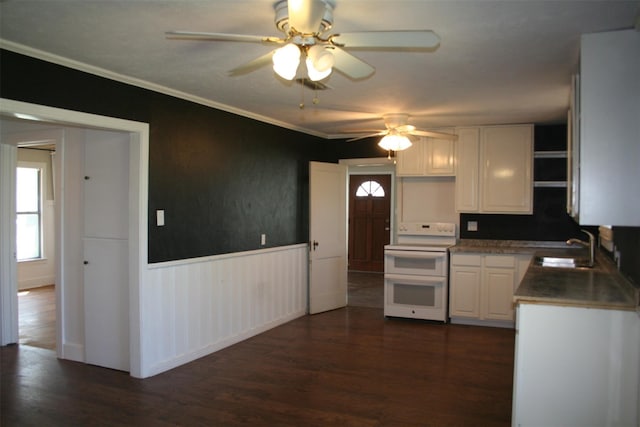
x=477, y=322
x=72, y=351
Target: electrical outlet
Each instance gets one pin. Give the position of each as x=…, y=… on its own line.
x=160, y=217
x=472, y=225
x=263, y=239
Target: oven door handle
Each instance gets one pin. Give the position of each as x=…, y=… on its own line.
x=416, y=280
x=415, y=254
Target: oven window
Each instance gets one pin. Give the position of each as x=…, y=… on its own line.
x=415, y=263
x=414, y=295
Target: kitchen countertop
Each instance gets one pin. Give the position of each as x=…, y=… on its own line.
x=506, y=246
x=600, y=287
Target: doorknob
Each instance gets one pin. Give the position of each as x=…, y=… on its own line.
x=315, y=245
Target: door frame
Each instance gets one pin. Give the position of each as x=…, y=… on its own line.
x=138, y=219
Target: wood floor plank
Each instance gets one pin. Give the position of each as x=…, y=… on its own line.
x=348, y=367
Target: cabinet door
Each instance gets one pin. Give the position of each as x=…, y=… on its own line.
x=439, y=155
x=497, y=293
x=506, y=165
x=609, y=131
x=467, y=171
x=464, y=291
x=410, y=162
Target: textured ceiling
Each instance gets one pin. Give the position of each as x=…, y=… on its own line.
x=498, y=61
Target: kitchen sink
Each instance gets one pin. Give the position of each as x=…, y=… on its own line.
x=562, y=262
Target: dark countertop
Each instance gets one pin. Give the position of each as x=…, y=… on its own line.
x=600, y=287
x=506, y=246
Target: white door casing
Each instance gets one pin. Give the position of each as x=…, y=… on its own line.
x=327, y=236
x=8, y=275
x=137, y=214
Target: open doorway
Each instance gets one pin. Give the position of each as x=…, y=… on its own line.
x=35, y=238
x=371, y=196
x=35, y=229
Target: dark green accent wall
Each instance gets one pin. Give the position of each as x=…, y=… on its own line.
x=222, y=179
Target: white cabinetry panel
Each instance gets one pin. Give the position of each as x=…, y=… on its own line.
x=495, y=169
x=427, y=157
x=482, y=286
x=609, y=130
x=507, y=164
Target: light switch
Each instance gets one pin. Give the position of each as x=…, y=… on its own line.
x=472, y=225
x=160, y=217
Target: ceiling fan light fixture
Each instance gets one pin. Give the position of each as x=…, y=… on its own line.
x=393, y=142
x=319, y=62
x=286, y=60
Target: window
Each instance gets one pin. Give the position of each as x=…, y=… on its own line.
x=29, y=213
x=370, y=188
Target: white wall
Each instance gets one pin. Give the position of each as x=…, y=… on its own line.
x=194, y=307
x=70, y=161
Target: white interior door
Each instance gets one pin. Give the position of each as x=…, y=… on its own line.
x=328, y=236
x=106, y=254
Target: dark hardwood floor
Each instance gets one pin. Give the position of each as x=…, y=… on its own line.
x=347, y=367
x=365, y=289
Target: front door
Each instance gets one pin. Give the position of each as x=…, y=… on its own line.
x=328, y=236
x=369, y=221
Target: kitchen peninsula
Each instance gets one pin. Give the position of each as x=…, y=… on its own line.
x=577, y=347
x=577, y=329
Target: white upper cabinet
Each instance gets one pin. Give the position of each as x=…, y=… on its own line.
x=427, y=157
x=608, y=147
x=495, y=169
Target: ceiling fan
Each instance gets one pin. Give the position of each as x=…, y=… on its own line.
x=396, y=136
x=304, y=23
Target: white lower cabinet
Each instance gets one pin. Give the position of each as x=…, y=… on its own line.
x=576, y=366
x=481, y=287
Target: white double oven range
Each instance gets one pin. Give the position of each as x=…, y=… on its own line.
x=416, y=271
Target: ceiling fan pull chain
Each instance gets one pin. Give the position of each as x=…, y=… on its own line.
x=302, y=96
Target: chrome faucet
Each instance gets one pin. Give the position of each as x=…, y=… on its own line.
x=591, y=244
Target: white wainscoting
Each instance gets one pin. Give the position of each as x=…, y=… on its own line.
x=195, y=307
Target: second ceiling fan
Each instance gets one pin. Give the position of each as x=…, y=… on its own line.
x=396, y=136
x=304, y=24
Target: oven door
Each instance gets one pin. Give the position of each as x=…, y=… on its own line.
x=415, y=262
x=419, y=297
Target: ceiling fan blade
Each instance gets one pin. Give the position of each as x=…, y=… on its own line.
x=357, y=138
x=195, y=35
x=432, y=134
x=406, y=128
x=306, y=16
x=420, y=39
x=252, y=65
x=349, y=65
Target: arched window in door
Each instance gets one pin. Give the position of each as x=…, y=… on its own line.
x=370, y=188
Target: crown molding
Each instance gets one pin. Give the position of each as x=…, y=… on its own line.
x=102, y=72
